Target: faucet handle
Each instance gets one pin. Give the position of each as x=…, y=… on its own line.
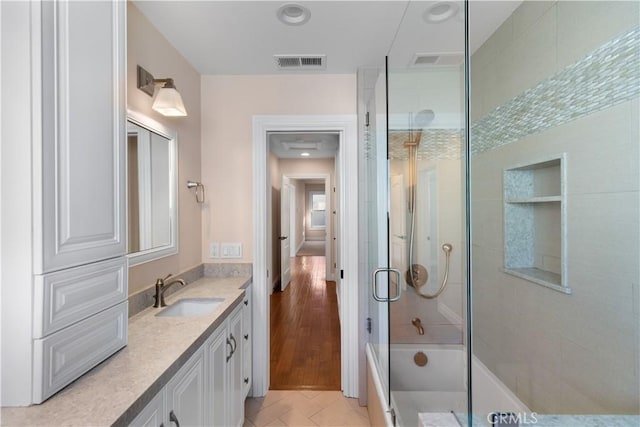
x=168, y=275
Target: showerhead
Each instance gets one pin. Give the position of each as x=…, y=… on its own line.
x=423, y=118
x=420, y=120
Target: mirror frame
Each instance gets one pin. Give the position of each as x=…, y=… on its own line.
x=158, y=252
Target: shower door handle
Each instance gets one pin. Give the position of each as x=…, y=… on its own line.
x=375, y=284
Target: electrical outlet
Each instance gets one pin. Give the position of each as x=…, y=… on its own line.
x=214, y=250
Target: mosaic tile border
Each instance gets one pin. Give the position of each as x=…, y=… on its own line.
x=435, y=144
x=608, y=76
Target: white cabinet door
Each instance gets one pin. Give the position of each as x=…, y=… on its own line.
x=235, y=383
x=82, y=219
x=224, y=370
x=186, y=393
x=153, y=414
x=218, y=349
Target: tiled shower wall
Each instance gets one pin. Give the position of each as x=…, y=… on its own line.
x=562, y=353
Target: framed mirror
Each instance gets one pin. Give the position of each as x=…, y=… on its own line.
x=152, y=214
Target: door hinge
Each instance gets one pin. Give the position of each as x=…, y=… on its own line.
x=267, y=274
x=368, y=325
x=335, y=265
x=366, y=119
x=392, y=412
x=342, y=274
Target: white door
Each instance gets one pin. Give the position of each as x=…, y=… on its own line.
x=285, y=241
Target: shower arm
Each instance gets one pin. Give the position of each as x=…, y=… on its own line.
x=447, y=251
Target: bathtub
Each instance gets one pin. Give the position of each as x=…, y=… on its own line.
x=439, y=386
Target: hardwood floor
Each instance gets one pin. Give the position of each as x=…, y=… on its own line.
x=305, y=330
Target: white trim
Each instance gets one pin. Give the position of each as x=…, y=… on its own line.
x=329, y=272
x=151, y=254
x=346, y=125
x=292, y=220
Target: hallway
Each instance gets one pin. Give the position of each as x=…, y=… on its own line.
x=305, y=330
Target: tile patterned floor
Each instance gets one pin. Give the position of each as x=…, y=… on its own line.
x=304, y=408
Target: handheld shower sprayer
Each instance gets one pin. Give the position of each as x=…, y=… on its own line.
x=418, y=122
x=417, y=275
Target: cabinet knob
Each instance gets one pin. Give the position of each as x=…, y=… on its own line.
x=246, y=380
x=246, y=302
x=246, y=336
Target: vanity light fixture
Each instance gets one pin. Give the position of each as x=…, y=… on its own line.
x=305, y=154
x=166, y=98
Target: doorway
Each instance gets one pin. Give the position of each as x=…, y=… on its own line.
x=346, y=252
x=304, y=322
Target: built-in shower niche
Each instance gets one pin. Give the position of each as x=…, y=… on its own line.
x=535, y=222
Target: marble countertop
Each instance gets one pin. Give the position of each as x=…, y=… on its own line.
x=115, y=391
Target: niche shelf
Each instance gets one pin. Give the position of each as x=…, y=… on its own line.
x=535, y=222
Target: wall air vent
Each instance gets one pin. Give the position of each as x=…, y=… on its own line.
x=301, y=62
x=437, y=59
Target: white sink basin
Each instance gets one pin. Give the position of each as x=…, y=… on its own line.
x=189, y=307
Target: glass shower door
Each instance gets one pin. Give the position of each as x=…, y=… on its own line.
x=426, y=240
x=374, y=182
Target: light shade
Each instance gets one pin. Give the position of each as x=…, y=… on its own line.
x=168, y=102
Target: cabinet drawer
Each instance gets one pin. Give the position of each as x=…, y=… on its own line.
x=66, y=297
x=65, y=355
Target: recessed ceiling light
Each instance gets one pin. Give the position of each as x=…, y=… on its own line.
x=293, y=14
x=440, y=12
x=305, y=154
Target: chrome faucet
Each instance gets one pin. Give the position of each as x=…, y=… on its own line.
x=418, y=324
x=161, y=287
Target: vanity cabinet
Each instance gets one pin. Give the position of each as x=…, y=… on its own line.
x=208, y=388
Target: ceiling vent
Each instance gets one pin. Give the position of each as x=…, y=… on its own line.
x=301, y=62
x=441, y=59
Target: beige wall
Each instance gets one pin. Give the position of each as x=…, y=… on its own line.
x=228, y=106
x=299, y=231
x=561, y=353
x=148, y=48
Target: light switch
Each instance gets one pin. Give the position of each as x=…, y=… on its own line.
x=231, y=250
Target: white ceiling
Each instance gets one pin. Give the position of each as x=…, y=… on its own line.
x=241, y=37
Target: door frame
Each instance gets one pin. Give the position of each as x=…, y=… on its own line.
x=326, y=178
x=292, y=218
x=346, y=127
